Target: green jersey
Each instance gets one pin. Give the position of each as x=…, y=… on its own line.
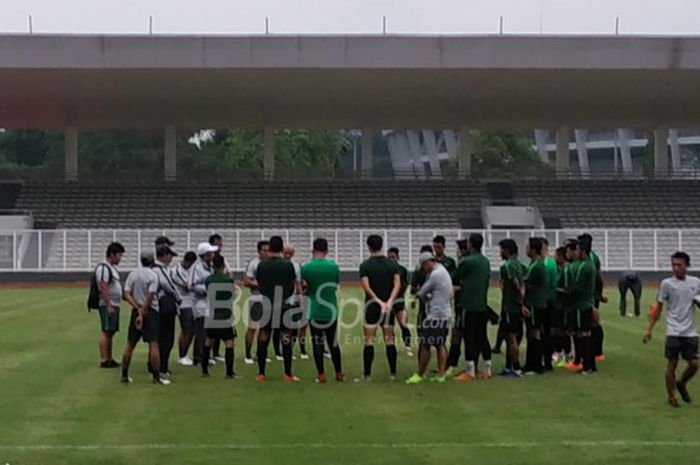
x=322, y=277
x=418, y=277
x=552, y=277
x=536, y=285
x=583, y=287
x=380, y=272
x=473, y=275
x=220, y=292
x=401, y=298
x=449, y=264
x=512, y=272
x=593, y=258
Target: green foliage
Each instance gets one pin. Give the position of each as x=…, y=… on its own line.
x=501, y=153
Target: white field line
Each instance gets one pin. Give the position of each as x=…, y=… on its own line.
x=358, y=445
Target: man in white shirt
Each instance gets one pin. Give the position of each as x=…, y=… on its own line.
x=141, y=291
x=680, y=292
x=110, y=288
x=181, y=278
x=436, y=292
x=200, y=305
x=255, y=310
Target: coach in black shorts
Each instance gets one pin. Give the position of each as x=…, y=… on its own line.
x=381, y=282
x=140, y=290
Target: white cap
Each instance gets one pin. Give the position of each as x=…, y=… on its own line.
x=425, y=256
x=205, y=247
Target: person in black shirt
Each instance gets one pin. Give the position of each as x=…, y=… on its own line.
x=381, y=282
x=399, y=310
x=276, y=280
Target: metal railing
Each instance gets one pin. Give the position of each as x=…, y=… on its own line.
x=79, y=250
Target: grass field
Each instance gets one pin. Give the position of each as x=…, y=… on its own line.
x=57, y=407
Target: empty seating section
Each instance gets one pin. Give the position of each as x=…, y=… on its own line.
x=252, y=205
x=345, y=212
x=616, y=204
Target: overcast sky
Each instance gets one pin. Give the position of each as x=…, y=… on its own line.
x=352, y=16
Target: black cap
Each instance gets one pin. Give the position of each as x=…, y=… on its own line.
x=163, y=249
x=160, y=240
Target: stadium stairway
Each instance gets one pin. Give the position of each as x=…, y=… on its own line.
x=9, y=193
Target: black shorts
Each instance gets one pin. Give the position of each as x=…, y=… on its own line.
x=536, y=319
x=223, y=334
x=255, y=312
x=150, y=327
x=557, y=316
x=186, y=319
x=109, y=323
x=459, y=319
x=289, y=319
x=374, y=315
x=399, y=307
x=679, y=346
x=512, y=322
x=579, y=320
x=434, y=332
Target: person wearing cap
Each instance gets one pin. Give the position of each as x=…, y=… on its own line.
x=437, y=294
x=200, y=272
x=164, y=240
x=181, y=278
x=140, y=290
x=168, y=302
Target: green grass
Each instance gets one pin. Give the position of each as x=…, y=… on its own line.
x=57, y=407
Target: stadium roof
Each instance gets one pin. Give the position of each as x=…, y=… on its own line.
x=348, y=81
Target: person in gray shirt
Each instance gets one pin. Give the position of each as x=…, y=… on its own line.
x=436, y=292
x=168, y=303
x=630, y=281
x=681, y=293
x=141, y=291
x=181, y=277
x=110, y=287
x=200, y=305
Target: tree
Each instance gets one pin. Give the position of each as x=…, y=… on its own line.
x=506, y=153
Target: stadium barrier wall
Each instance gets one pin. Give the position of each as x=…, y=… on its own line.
x=79, y=250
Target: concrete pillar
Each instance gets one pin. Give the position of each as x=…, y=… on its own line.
x=367, y=152
x=675, y=150
x=541, y=139
x=623, y=140
x=170, y=153
x=269, y=153
x=464, y=154
x=431, y=150
x=562, y=160
x=581, y=136
x=661, y=151
x=70, y=148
